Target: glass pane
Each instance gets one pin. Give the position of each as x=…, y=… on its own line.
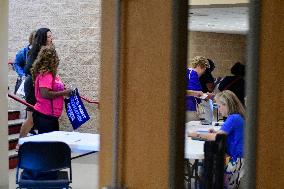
x=216, y=64
x=75, y=28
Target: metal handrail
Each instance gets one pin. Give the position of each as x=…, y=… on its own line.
x=27, y=104
x=31, y=106
x=10, y=62
x=89, y=101
x=20, y=100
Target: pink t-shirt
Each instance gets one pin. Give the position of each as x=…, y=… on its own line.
x=44, y=105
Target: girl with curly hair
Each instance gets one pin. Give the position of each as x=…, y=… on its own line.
x=49, y=90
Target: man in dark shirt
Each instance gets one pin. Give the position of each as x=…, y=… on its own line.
x=236, y=82
x=207, y=84
x=207, y=80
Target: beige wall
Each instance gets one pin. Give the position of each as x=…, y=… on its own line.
x=223, y=49
x=76, y=28
x=3, y=98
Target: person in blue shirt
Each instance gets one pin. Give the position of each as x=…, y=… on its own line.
x=197, y=67
x=21, y=60
x=22, y=56
x=231, y=107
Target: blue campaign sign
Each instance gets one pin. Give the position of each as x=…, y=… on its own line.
x=76, y=110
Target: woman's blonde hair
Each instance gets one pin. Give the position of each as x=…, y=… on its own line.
x=46, y=61
x=32, y=36
x=229, y=99
x=200, y=61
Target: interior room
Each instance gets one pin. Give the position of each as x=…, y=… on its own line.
x=218, y=33
x=141, y=122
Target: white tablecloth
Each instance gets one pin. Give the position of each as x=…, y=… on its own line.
x=78, y=142
x=194, y=148
x=86, y=142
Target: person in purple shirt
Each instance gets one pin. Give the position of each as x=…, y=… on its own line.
x=197, y=67
x=231, y=107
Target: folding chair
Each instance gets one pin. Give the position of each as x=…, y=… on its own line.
x=214, y=153
x=44, y=165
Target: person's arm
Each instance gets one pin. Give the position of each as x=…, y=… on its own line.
x=48, y=93
x=205, y=136
x=194, y=93
x=210, y=96
x=218, y=80
x=28, y=66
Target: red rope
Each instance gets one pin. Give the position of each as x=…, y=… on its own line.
x=20, y=100
x=23, y=102
x=31, y=106
x=89, y=101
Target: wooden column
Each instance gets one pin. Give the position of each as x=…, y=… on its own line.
x=270, y=122
x=4, y=181
x=146, y=121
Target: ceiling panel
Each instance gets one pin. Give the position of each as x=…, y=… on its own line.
x=220, y=20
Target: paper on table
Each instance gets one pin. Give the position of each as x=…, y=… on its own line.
x=197, y=138
x=203, y=131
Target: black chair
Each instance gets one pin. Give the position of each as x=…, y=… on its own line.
x=214, y=162
x=44, y=165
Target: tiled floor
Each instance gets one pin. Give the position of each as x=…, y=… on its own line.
x=84, y=169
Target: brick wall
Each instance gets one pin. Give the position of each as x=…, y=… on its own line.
x=75, y=25
x=223, y=49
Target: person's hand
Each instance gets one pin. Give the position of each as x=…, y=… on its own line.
x=68, y=92
x=192, y=134
x=198, y=93
x=17, y=147
x=211, y=131
x=210, y=96
x=194, y=93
